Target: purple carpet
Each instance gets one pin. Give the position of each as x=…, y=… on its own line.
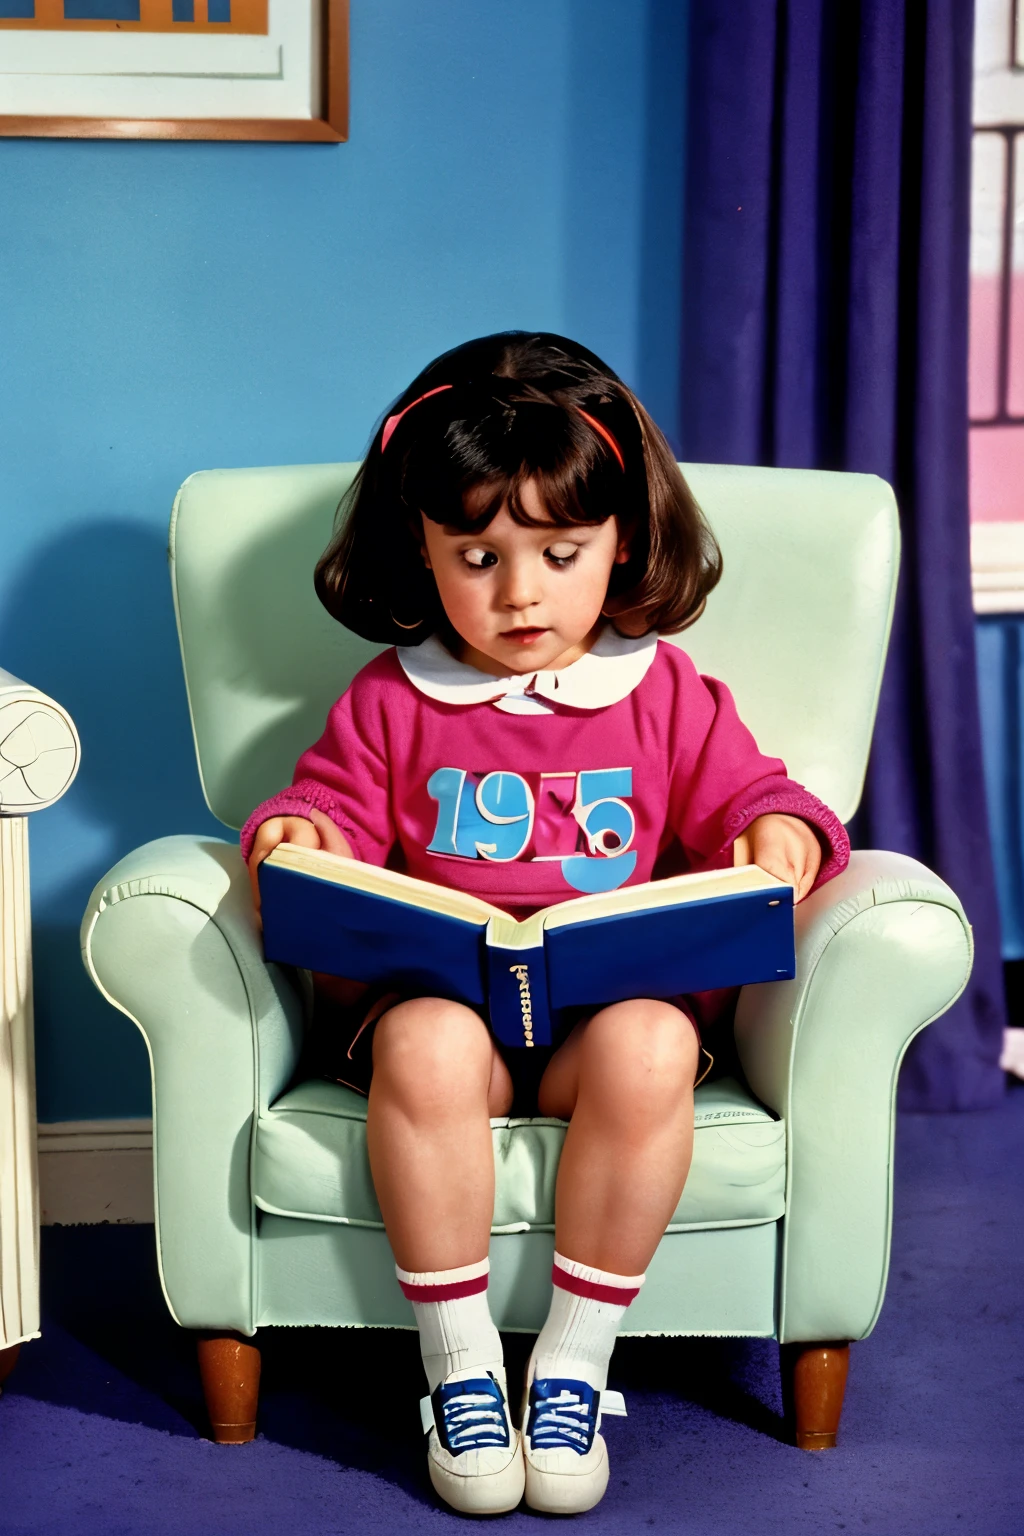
x=100, y=1427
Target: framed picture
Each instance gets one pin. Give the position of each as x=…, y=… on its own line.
x=174, y=69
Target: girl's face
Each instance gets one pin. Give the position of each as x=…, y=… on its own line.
x=524, y=599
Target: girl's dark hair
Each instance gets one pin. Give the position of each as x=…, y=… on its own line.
x=512, y=414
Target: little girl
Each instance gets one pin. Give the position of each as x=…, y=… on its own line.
x=521, y=532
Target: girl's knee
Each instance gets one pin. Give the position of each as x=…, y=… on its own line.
x=644, y=1050
x=432, y=1048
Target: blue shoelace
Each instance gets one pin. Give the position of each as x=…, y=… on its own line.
x=563, y=1415
x=470, y=1415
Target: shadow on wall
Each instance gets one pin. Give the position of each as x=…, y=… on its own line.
x=91, y=622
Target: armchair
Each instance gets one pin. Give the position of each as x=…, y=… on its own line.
x=265, y=1211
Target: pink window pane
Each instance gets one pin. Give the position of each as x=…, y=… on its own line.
x=997, y=474
x=983, y=376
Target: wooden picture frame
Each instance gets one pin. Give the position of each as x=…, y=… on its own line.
x=331, y=127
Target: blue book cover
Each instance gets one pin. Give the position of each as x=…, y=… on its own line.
x=690, y=933
x=517, y=994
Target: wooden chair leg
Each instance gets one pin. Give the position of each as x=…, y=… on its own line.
x=8, y=1360
x=230, y=1368
x=813, y=1383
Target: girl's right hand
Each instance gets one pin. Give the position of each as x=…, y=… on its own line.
x=314, y=831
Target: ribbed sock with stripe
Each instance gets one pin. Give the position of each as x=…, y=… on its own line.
x=456, y=1331
x=587, y=1307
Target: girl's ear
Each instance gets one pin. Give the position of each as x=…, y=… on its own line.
x=625, y=549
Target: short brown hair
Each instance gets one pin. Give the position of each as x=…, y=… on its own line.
x=514, y=411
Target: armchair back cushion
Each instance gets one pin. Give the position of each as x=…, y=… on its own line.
x=797, y=627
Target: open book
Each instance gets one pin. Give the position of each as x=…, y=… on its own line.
x=689, y=933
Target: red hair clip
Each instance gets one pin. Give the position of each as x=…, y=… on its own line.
x=392, y=421
x=602, y=431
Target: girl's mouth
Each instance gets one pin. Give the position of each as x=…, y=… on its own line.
x=522, y=636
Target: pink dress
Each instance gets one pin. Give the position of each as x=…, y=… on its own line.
x=528, y=791
x=624, y=767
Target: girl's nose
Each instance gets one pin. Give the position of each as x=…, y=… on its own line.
x=521, y=589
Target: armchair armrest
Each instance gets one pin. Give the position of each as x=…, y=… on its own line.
x=882, y=950
x=170, y=938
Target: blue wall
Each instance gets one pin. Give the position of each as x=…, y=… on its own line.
x=171, y=307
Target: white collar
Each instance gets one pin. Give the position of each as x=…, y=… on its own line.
x=608, y=672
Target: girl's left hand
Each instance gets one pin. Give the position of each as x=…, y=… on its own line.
x=785, y=846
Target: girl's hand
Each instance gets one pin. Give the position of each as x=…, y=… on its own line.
x=314, y=831
x=784, y=846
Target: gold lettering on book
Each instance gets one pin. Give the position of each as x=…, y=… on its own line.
x=523, y=973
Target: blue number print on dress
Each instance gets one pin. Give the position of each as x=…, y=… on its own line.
x=445, y=786
x=506, y=801
x=609, y=825
x=493, y=821
x=459, y=824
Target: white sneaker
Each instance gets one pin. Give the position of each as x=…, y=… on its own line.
x=566, y=1458
x=474, y=1455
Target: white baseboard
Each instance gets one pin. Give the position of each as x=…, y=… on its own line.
x=997, y=567
x=93, y=1171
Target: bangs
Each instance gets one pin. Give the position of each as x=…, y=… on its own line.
x=463, y=476
x=564, y=498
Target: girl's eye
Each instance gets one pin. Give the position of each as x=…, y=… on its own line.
x=483, y=559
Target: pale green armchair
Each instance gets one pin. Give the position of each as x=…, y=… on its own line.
x=265, y=1211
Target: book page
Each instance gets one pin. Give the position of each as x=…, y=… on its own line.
x=676, y=891
x=337, y=870
x=506, y=930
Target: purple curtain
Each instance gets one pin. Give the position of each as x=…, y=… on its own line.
x=825, y=325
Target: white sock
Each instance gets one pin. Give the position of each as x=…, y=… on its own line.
x=454, y=1320
x=587, y=1306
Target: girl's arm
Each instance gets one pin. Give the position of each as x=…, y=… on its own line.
x=783, y=845
x=339, y=798
x=312, y=831
x=729, y=803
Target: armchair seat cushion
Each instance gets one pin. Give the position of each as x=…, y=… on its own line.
x=311, y=1162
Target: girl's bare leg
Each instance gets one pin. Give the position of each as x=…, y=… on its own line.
x=624, y=1081
x=437, y=1081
